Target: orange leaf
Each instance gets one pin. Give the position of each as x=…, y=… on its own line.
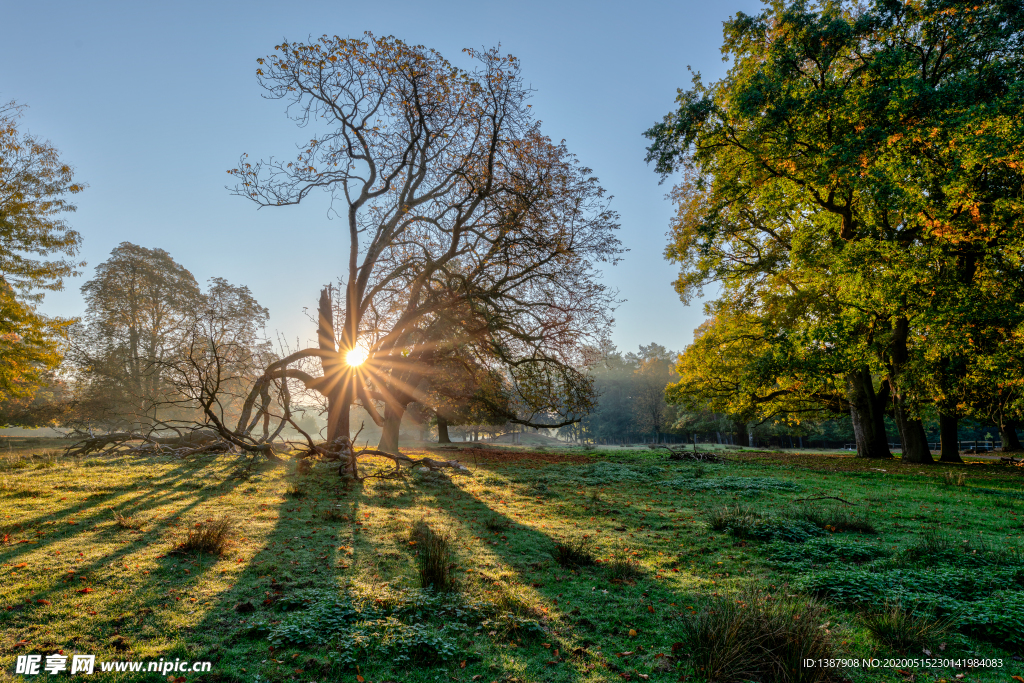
x=44, y=602
x=462, y=664
x=21, y=565
x=1017, y=678
x=360, y=678
x=85, y=590
x=650, y=609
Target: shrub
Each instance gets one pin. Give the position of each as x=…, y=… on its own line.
x=211, y=536
x=903, y=629
x=574, y=553
x=755, y=637
x=622, y=568
x=434, y=558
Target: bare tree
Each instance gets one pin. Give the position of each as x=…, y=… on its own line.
x=453, y=201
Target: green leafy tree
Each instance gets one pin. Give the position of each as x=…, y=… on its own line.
x=35, y=189
x=857, y=164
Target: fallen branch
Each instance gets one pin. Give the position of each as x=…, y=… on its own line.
x=684, y=453
x=802, y=500
x=404, y=460
x=198, y=441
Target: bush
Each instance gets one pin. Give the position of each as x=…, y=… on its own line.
x=434, y=558
x=211, y=537
x=574, y=553
x=755, y=637
x=903, y=629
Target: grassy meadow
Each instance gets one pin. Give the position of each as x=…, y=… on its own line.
x=562, y=565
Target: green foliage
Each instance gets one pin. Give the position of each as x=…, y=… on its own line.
x=748, y=486
x=420, y=627
x=831, y=188
x=824, y=550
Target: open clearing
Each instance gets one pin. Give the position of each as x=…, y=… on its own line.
x=319, y=581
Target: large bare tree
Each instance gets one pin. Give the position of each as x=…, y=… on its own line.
x=460, y=215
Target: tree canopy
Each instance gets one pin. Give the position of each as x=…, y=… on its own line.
x=852, y=189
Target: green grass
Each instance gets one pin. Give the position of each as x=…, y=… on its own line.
x=317, y=578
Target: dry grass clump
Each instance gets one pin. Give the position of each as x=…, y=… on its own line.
x=837, y=518
x=496, y=523
x=903, y=630
x=574, y=553
x=127, y=521
x=434, y=558
x=623, y=568
x=335, y=513
x=755, y=636
x=738, y=517
x=211, y=537
x=953, y=478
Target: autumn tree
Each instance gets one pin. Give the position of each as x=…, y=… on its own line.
x=37, y=247
x=451, y=199
x=856, y=166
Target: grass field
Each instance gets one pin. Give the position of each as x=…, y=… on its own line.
x=568, y=565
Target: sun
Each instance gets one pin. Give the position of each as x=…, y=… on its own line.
x=356, y=356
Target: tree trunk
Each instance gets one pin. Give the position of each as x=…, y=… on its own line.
x=389, y=430
x=1008, y=433
x=915, y=441
x=868, y=414
x=949, y=448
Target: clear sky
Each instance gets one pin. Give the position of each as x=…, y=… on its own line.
x=153, y=102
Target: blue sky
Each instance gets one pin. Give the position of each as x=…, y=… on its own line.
x=153, y=102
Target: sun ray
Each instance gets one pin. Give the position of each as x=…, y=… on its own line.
x=356, y=356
